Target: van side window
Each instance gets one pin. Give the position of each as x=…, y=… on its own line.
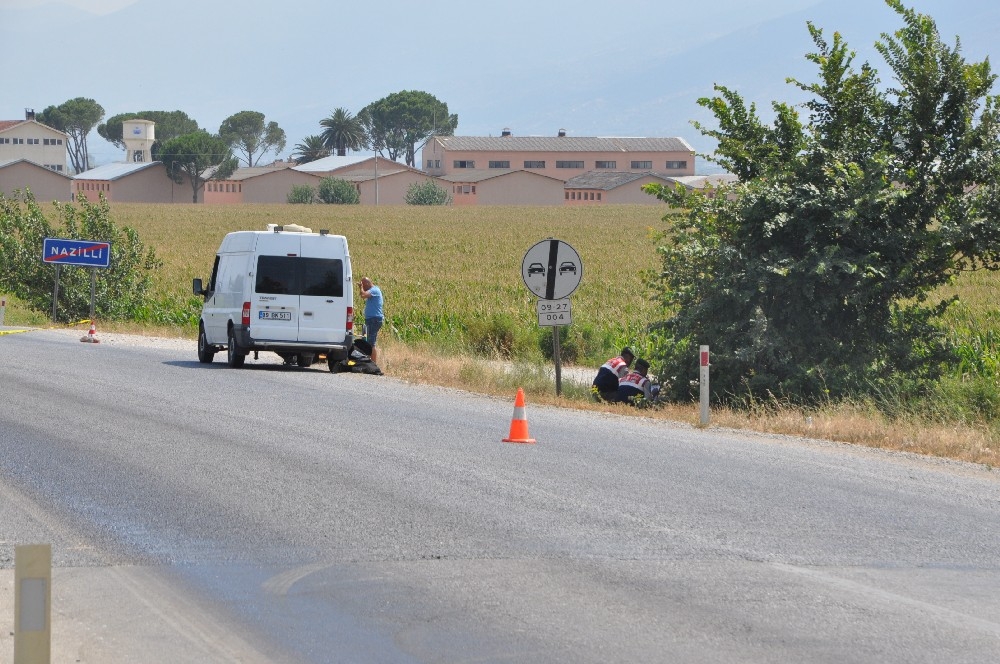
x=215, y=275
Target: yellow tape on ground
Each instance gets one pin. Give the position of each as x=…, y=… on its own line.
x=53, y=327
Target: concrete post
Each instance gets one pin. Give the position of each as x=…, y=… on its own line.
x=33, y=604
x=703, y=383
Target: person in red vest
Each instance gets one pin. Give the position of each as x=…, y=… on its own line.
x=612, y=371
x=635, y=384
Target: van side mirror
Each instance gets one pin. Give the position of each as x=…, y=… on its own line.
x=197, y=287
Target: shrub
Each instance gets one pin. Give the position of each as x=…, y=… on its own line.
x=302, y=194
x=122, y=289
x=578, y=343
x=338, y=191
x=427, y=193
x=500, y=336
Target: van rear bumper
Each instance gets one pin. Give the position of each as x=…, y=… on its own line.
x=248, y=343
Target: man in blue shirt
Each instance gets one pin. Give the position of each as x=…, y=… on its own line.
x=374, y=315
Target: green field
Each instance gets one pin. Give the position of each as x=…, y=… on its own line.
x=448, y=273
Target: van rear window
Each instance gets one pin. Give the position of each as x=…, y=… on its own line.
x=295, y=275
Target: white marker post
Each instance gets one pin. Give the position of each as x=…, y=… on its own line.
x=703, y=382
x=33, y=604
x=3, y=309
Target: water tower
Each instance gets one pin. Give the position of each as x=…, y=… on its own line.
x=138, y=136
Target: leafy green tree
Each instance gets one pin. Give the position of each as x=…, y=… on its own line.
x=247, y=133
x=427, y=193
x=310, y=149
x=122, y=289
x=342, y=132
x=169, y=124
x=302, y=194
x=814, y=277
x=200, y=156
x=339, y=191
x=397, y=123
x=76, y=117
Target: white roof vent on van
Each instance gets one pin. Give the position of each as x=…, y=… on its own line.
x=288, y=228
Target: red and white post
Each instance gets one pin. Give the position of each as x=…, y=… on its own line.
x=3, y=309
x=703, y=383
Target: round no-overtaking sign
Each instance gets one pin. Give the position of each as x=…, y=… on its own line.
x=552, y=269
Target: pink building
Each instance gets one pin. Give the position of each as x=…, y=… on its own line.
x=132, y=183
x=379, y=181
x=258, y=184
x=502, y=187
x=25, y=175
x=561, y=157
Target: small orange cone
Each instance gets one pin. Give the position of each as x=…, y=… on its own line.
x=519, y=423
x=91, y=336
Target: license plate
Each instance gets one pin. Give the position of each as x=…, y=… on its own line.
x=274, y=315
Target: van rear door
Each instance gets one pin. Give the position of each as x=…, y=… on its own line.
x=323, y=301
x=275, y=310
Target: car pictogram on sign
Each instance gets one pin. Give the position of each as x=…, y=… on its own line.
x=551, y=269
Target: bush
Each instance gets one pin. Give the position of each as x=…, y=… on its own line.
x=500, y=336
x=302, y=194
x=427, y=193
x=122, y=289
x=339, y=192
x=578, y=344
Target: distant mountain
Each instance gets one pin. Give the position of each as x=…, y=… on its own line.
x=635, y=69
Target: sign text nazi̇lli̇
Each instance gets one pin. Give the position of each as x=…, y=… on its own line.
x=76, y=252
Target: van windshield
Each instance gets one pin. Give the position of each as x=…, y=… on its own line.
x=295, y=275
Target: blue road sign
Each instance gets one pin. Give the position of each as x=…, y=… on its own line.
x=76, y=252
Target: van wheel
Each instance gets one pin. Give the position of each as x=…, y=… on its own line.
x=234, y=356
x=206, y=353
x=306, y=359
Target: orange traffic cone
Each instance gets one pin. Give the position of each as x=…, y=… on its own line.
x=91, y=336
x=519, y=423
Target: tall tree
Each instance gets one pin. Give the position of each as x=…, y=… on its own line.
x=397, y=123
x=169, y=124
x=342, y=132
x=200, y=156
x=77, y=117
x=310, y=149
x=247, y=133
x=814, y=276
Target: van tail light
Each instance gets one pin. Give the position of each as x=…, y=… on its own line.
x=246, y=313
x=350, y=319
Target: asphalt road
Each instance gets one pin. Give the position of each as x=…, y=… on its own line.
x=271, y=514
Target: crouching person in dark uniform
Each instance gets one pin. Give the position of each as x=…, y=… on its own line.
x=606, y=383
x=635, y=384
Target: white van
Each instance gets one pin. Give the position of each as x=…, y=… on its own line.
x=286, y=290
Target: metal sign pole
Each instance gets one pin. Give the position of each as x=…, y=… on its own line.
x=55, y=294
x=552, y=270
x=93, y=291
x=556, y=355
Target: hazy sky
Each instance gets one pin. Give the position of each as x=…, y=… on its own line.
x=591, y=67
x=92, y=6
